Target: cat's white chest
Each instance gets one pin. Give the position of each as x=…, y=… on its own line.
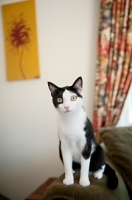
x=71, y=130
x=76, y=149
x=72, y=135
x=72, y=126
x=74, y=142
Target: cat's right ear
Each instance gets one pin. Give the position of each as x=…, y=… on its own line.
x=52, y=88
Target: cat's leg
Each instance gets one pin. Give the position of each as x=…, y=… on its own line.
x=85, y=162
x=84, y=174
x=99, y=173
x=67, y=159
x=97, y=164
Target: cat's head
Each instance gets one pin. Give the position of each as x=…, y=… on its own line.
x=67, y=99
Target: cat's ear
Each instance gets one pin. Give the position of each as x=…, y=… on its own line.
x=52, y=88
x=78, y=85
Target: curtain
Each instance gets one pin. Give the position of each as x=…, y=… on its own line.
x=114, y=62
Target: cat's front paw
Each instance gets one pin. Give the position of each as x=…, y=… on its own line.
x=68, y=181
x=84, y=182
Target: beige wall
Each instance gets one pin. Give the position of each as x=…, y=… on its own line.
x=67, y=38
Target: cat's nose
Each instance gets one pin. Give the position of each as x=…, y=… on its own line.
x=66, y=107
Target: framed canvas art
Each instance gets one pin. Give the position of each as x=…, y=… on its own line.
x=20, y=37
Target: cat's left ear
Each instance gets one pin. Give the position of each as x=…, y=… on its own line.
x=78, y=85
x=53, y=88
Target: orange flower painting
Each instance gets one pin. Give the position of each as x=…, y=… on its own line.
x=20, y=40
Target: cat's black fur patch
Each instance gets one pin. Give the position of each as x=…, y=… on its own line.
x=89, y=138
x=76, y=166
x=60, y=153
x=58, y=94
x=97, y=158
x=72, y=89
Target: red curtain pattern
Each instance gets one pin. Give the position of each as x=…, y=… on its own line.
x=114, y=62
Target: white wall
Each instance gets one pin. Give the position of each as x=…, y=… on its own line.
x=67, y=40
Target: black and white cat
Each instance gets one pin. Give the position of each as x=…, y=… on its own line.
x=78, y=147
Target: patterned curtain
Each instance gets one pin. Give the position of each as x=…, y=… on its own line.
x=114, y=62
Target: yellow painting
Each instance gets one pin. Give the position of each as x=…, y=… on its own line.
x=20, y=35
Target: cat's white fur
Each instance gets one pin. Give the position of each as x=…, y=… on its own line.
x=72, y=136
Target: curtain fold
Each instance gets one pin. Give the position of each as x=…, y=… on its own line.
x=114, y=62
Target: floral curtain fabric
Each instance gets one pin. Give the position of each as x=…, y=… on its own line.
x=114, y=62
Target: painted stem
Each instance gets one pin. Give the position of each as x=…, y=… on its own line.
x=20, y=63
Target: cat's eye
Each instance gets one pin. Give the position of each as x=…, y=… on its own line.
x=73, y=98
x=59, y=100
